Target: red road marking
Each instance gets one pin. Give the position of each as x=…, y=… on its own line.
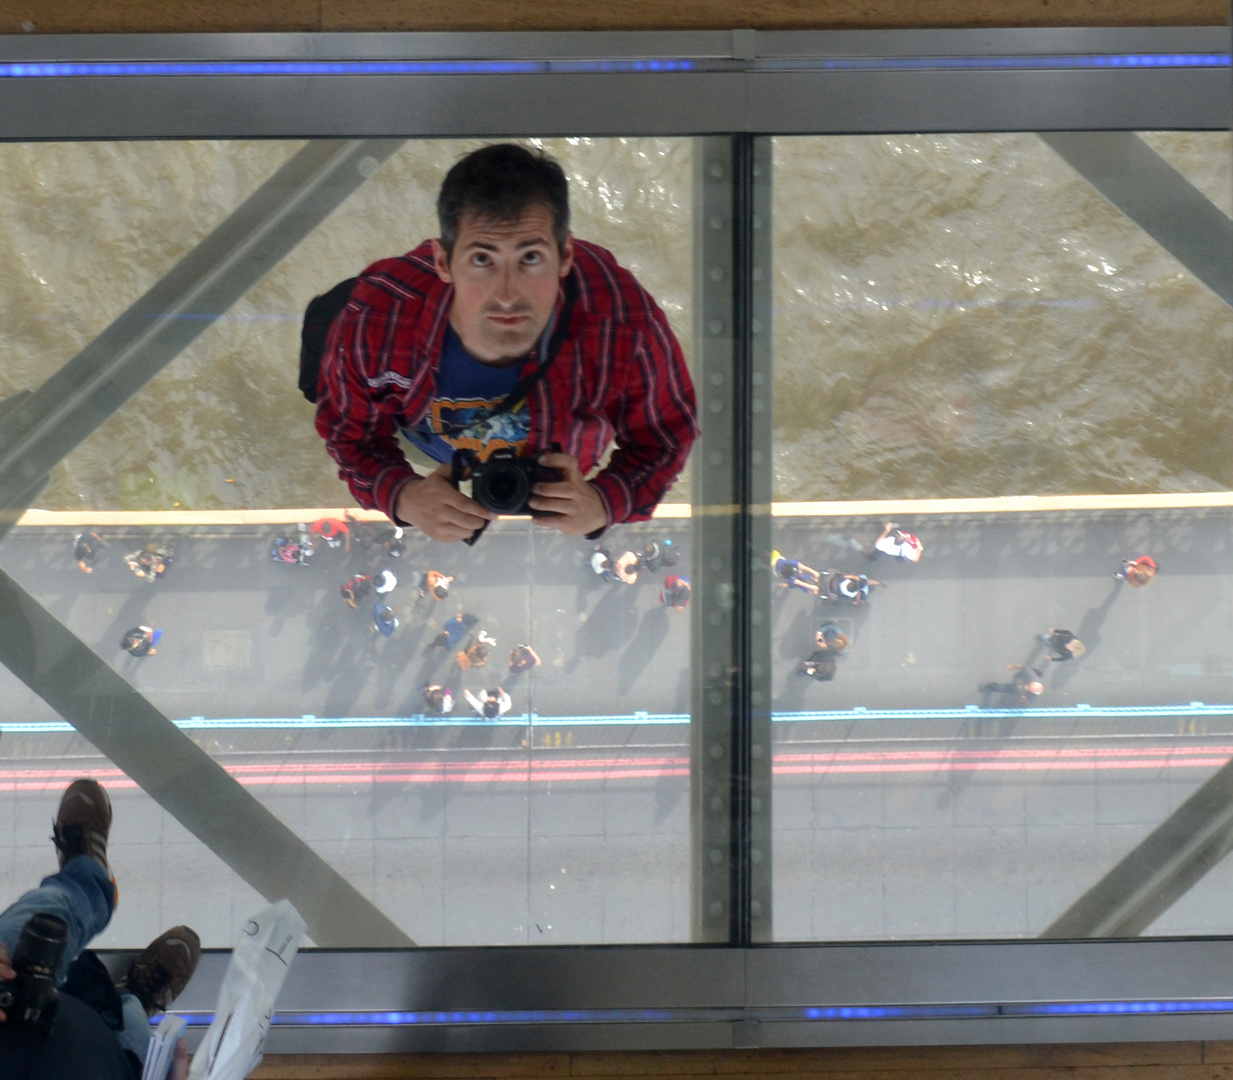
x=576, y=770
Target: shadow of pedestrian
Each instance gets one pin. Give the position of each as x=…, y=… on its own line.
x=348, y=676
x=669, y=791
x=797, y=640
x=610, y=625
x=1089, y=634
x=332, y=626
x=792, y=697
x=684, y=687
x=647, y=640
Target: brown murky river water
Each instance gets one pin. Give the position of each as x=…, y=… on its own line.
x=953, y=315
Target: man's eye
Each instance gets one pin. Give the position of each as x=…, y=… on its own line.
x=533, y=258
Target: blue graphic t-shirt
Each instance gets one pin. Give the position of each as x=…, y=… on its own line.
x=466, y=389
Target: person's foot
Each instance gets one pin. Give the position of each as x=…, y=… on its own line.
x=161, y=971
x=82, y=823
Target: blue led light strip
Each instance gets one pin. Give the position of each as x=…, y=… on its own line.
x=820, y=1013
x=641, y=719
x=208, y=68
x=179, y=68
x=1023, y=63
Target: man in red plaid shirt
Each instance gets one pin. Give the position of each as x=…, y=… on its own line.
x=433, y=344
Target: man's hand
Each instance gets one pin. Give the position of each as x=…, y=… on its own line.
x=6, y=972
x=179, y=1064
x=440, y=509
x=578, y=508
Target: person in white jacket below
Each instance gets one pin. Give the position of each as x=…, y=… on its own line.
x=494, y=703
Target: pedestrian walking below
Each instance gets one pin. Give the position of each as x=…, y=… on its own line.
x=86, y=546
x=337, y=534
x=386, y=582
x=676, y=592
x=627, y=567
x=140, y=641
x=898, y=544
x=522, y=658
x=383, y=618
x=1137, y=572
x=794, y=574
x=438, y=584
x=1024, y=687
x=495, y=703
x=477, y=654
x=356, y=589
x=851, y=587
x=152, y=562
x=820, y=666
x=453, y=631
x=829, y=638
x=438, y=699
x=1062, y=645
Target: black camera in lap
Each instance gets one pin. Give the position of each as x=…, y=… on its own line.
x=503, y=483
x=31, y=998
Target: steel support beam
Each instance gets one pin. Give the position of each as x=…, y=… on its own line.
x=731, y=724
x=1157, y=873
x=181, y=777
x=97, y=382
x=1157, y=198
x=42, y=427
x=1196, y=836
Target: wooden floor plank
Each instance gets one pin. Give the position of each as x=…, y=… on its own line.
x=778, y=1062
x=1114, y=1061
x=412, y=1066
x=220, y=16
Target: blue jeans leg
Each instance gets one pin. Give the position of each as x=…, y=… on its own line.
x=136, y=1033
x=81, y=894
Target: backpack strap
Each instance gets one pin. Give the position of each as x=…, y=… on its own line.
x=319, y=316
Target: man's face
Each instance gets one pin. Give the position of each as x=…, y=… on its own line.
x=505, y=276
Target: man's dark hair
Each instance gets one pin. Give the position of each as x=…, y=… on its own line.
x=500, y=183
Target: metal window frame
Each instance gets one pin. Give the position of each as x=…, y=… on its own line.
x=731, y=89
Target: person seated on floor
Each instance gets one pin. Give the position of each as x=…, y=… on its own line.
x=99, y=1031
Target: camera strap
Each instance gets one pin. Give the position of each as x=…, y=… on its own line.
x=517, y=397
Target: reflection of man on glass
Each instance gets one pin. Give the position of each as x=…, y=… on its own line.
x=442, y=343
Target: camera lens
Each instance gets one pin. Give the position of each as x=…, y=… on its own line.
x=503, y=487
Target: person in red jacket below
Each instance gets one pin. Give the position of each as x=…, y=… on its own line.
x=440, y=344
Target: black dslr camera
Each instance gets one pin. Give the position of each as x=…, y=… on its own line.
x=503, y=483
x=31, y=998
